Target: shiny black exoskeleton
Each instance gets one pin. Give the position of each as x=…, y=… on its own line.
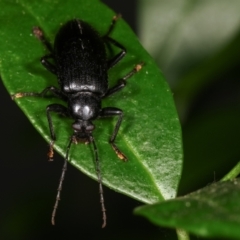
x=81, y=65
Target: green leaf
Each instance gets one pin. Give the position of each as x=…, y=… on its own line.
x=150, y=135
x=233, y=173
x=210, y=212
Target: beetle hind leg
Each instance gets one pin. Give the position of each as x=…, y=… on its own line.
x=112, y=25
x=39, y=34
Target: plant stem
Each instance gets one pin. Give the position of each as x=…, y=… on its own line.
x=233, y=173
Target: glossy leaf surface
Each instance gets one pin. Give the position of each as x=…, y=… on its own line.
x=210, y=212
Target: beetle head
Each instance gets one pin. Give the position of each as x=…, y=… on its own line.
x=82, y=131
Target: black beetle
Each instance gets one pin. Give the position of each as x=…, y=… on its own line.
x=81, y=66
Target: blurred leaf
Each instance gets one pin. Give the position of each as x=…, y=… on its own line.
x=150, y=134
x=209, y=212
x=193, y=42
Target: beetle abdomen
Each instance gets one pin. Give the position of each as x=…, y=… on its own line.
x=81, y=58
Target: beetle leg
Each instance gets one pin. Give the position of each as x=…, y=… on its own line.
x=113, y=61
x=112, y=25
x=122, y=82
x=48, y=65
x=56, y=92
x=38, y=32
x=111, y=112
x=60, y=109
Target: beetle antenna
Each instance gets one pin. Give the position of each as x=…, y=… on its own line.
x=64, y=169
x=104, y=215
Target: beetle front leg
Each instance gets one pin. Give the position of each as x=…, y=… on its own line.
x=57, y=108
x=111, y=112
